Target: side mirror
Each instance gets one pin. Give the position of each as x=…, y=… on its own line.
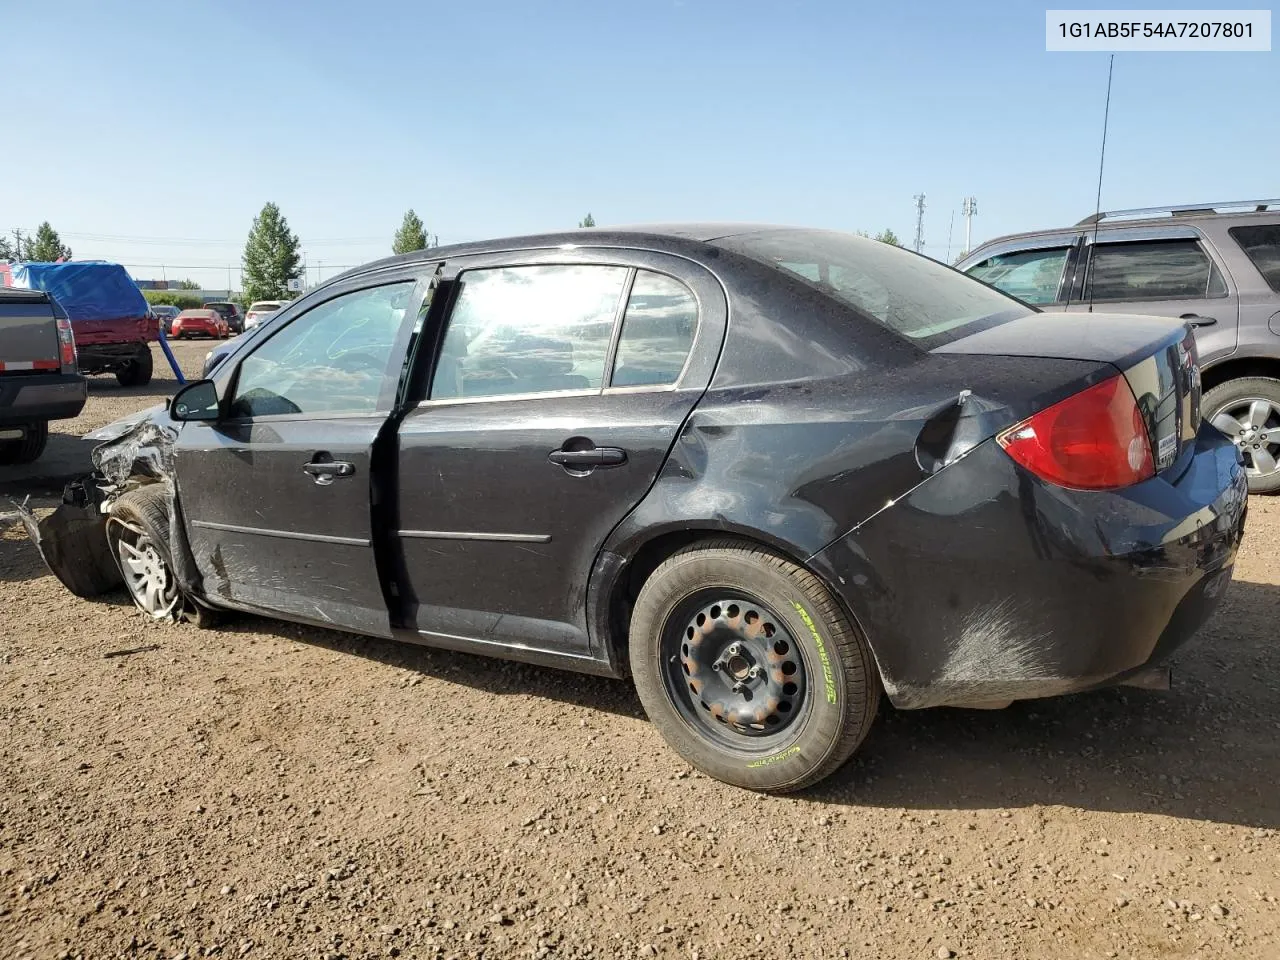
x=195, y=401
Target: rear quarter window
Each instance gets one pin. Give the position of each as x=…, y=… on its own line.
x=1261, y=244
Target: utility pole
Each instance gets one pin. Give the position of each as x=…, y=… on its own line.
x=969, y=209
x=17, y=241
x=950, y=227
x=919, y=199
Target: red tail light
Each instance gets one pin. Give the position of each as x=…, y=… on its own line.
x=66, y=345
x=1095, y=440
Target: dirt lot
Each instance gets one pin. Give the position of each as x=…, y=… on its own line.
x=274, y=791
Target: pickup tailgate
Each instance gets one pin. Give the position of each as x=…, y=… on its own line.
x=28, y=333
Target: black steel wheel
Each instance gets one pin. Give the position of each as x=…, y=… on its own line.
x=749, y=667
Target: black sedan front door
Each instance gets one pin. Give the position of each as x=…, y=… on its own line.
x=277, y=495
x=557, y=393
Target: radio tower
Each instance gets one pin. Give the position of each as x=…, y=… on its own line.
x=969, y=208
x=919, y=199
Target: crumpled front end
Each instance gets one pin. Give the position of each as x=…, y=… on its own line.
x=72, y=540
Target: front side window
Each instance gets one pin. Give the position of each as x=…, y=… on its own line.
x=1030, y=275
x=1261, y=244
x=657, y=332
x=332, y=359
x=528, y=330
x=1154, y=270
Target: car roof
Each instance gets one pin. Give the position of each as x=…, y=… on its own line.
x=656, y=236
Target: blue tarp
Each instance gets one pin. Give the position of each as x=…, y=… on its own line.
x=86, y=290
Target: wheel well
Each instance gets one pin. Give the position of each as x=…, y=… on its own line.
x=647, y=559
x=1235, y=369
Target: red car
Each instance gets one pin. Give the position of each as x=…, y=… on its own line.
x=198, y=323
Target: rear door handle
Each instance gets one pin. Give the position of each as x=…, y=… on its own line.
x=1198, y=321
x=594, y=457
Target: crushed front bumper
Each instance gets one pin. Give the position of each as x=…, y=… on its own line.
x=985, y=584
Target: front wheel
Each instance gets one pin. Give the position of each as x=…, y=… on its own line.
x=1247, y=410
x=138, y=534
x=749, y=668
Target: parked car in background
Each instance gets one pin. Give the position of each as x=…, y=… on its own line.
x=260, y=310
x=199, y=323
x=229, y=312
x=165, y=314
x=39, y=380
x=1216, y=266
x=561, y=449
x=112, y=322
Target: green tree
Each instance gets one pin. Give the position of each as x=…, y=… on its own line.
x=587, y=221
x=888, y=236
x=271, y=257
x=172, y=298
x=6, y=250
x=47, y=246
x=186, y=285
x=411, y=236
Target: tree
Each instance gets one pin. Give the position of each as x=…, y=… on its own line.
x=47, y=246
x=186, y=285
x=412, y=235
x=271, y=257
x=888, y=236
x=170, y=298
x=587, y=221
x=6, y=250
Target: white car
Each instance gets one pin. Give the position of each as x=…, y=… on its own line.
x=260, y=311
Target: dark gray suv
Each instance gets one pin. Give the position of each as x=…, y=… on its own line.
x=1217, y=266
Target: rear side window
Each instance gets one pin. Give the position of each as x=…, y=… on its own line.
x=1030, y=275
x=657, y=332
x=1261, y=244
x=517, y=330
x=1154, y=270
x=918, y=298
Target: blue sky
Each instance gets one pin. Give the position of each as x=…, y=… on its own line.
x=142, y=129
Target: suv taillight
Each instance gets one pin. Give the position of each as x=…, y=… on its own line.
x=66, y=346
x=1095, y=440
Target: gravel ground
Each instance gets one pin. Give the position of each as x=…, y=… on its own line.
x=269, y=790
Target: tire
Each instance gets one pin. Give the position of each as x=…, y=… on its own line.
x=1235, y=407
x=29, y=448
x=138, y=372
x=708, y=593
x=138, y=535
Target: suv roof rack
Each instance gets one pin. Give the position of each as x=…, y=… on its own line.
x=1186, y=210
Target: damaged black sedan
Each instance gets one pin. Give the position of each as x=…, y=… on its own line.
x=768, y=473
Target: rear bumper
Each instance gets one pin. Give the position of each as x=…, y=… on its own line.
x=986, y=584
x=54, y=396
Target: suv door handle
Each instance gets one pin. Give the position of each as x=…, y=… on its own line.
x=594, y=457
x=1198, y=321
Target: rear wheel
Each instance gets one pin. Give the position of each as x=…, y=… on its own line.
x=1248, y=411
x=749, y=668
x=34, y=439
x=138, y=534
x=138, y=371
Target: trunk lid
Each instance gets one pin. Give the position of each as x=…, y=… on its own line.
x=1156, y=355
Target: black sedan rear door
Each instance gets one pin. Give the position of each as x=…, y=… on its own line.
x=559, y=383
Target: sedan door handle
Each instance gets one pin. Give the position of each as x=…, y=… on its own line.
x=1198, y=321
x=324, y=471
x=594, y=457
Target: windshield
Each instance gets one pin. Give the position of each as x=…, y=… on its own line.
x=919, y=298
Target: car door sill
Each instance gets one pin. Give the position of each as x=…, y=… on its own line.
x=576, y=662
x=285, y=534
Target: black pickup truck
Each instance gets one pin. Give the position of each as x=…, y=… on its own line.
x=39, y=379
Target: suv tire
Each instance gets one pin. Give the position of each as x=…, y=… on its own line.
x=29, y=448
x=138, y=371
x=1247, y=410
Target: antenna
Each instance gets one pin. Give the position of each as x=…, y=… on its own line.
x=969, y=209
x=919, y=199
x=1102, y=160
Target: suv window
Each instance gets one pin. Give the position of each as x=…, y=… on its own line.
x=657, y=332
x=1154, y=270
x=1261, y=244
x=1030, y=275
x=331, y=359
x=529, y=330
